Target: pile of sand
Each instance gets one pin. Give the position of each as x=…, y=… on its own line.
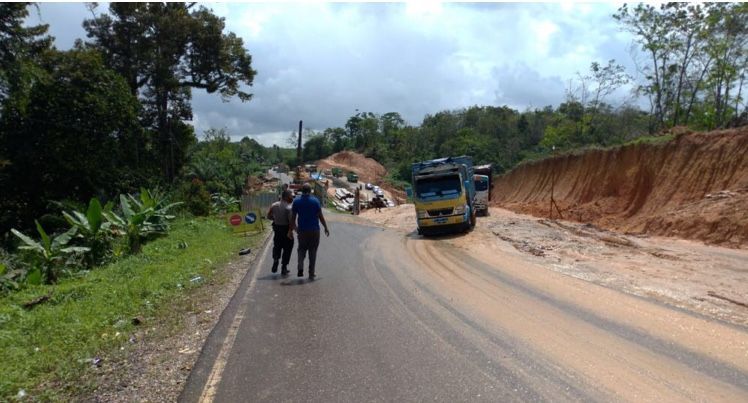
x=367, y=169
x=694, y=187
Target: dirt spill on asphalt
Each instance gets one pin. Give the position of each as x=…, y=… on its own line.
x=536, y=283
x=710, y=280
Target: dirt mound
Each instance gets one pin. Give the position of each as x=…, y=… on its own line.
x=694, y=187
x=367, y=169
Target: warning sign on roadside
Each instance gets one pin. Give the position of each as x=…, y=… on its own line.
x=246, y=221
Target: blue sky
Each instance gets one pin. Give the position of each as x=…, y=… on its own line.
x=319, y=62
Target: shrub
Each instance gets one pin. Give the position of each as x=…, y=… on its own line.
x=141, y=217
x=197, y=198
x=223, y=203
x=52, y=254
x=94, y=230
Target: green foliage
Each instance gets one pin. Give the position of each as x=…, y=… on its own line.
x=11, y=274
x=196, y=197
x=164, y=50
x=51, y=253
x=224, y=166
x=91, y=316
x=223, y=204
x=141, y=217
x=20, y=45
x=696, y=60
x=94, y=230
x=69, y=138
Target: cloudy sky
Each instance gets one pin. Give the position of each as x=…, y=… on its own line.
x=321, y=62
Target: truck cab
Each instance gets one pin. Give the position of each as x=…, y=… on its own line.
x=481, y=194
x=443, y=194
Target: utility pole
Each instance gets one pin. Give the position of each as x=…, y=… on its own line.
x=298, y=147
x=298, y=157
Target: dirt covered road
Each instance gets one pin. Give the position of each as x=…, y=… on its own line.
x=396, y=317
x=575, y=310
x=709, y=280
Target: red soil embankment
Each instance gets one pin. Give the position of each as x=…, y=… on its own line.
x=693, y=187
x=367, y=169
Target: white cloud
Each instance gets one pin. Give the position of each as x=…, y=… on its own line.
x=321, y=61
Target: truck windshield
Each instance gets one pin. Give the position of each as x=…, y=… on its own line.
x=439, y=186
x=481, y=185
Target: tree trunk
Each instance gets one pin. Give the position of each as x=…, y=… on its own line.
x=165, y=140
x=696, y=90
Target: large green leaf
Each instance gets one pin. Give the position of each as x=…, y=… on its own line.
x=126, y=209
x=63, y=239
x=75, y=249
x=94, y=215
x=46, y=242
x=83, y=220
x=30, y=243
x=115, y=219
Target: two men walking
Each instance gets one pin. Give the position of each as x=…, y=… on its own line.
x=305, y=217
x=280, y=213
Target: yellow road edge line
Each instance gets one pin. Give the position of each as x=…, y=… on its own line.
x=211, y=386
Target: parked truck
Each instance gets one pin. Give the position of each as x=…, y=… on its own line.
x=443, y=194
x=482, y=193
x=352, y=177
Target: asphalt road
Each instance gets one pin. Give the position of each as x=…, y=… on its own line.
x=393, y=317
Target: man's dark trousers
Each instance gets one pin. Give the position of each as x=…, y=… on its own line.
x=308, y=241
x=282, y=243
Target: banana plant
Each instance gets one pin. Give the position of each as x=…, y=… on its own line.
x=94, y=229
x=141, y=217
x=223, y=204
x=158, y=201
x=51, y=251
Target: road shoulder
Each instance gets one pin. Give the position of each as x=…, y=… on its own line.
x=165, y=351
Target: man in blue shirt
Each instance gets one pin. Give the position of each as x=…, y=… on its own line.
x=305, y=219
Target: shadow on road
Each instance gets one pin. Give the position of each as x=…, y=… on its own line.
x=299, y=281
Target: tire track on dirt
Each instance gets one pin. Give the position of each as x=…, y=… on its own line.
x=606, y=353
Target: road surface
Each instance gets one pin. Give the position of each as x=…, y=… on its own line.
x=394, y=317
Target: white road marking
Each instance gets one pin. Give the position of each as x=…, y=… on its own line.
x=211, y=386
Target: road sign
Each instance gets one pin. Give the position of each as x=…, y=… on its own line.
x=246, y=221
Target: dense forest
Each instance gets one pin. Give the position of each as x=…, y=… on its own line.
x=109, y=116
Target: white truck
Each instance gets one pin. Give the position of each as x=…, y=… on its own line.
x=482, y=191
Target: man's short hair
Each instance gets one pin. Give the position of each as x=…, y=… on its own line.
x=286, y=194
x=306, y=188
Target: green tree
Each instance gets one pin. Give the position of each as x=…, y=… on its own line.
x=20, y=48
x=317, y=146
x=68, y=138
x=164, y=50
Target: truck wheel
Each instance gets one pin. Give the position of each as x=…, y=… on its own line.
x=420, y=231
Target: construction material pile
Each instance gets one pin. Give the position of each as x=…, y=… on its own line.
x=343, y=199
x=694, y=187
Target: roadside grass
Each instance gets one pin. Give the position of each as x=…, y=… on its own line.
x=46, y=350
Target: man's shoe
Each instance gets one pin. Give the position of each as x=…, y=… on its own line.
x=312, y=276
x=275, y=266
x=284, y=271
x=300, y=273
